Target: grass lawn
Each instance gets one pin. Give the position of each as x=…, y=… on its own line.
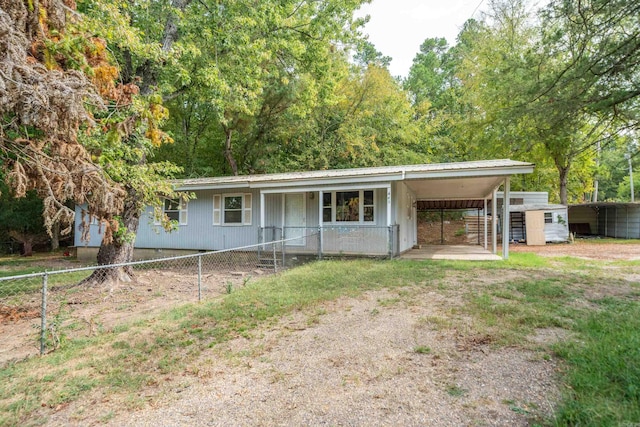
x=595, y=303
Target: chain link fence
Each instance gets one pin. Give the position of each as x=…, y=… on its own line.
x=40, y=311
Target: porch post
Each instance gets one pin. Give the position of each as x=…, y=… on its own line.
x=506, y=219
x=494, y=222
x=320, y=221
x=390, y=234
x=389, y=206
x=485, y=223
x=262, y=214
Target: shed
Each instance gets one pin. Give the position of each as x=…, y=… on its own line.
x=609, y=219
x=539, y=223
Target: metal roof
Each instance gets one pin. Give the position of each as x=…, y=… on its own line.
x=500, y=167
x=606, y=204
x=536, y=207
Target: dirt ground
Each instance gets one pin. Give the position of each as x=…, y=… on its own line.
x=350, y=362
x=431, y=233
x=357, y=366
x=81, y=311
x=584, y=248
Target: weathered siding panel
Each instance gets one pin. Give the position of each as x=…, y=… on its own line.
x=273, y=210
x=312, y=209
x=199, y=232
x=405, y=216
x=558, y=230
x=621, y=222
x=527, y=197
x=381, y=207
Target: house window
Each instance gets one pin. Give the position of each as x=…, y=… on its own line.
x=326, y=207
x=368, y=206
x=175, y=210
x=348, y=206
x=548, y=218
x=232, y=209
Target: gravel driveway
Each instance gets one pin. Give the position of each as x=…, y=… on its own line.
x=378, y=360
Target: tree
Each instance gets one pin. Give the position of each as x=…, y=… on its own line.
x=72, y=128
x=210, y=60
x=48, y=73
x=593, y=48
x=248, y=66
x=21, y=219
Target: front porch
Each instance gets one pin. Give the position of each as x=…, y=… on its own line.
x=333, y=240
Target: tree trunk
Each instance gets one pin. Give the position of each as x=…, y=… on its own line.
x=227, y=152
x=27, y=248
x=563, y=172
x=55, y=236
x=117, y=252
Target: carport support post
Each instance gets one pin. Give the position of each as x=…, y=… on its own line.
x=485, y=224
x=478, y=223
x=505, y=218
x=494, y=222
x=320, y=222
x=442, y=226
x=262, y=213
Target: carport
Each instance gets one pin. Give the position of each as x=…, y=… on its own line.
x=473, y=188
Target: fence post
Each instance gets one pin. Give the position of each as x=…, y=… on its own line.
x=200, y=278
x=275, y=259
x=319, y=243
x=283, y=254
x=390, y=241
x=260, y=240
x=43, y=314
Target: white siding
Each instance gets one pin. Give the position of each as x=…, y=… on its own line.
x=558, y=231
x=405, y=216
x=528, y=197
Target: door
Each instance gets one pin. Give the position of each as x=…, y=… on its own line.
x=534, y=224
x=295, y=219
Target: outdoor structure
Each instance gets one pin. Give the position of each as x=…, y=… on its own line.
x=538, y=224
x=532, y=218
x=364, y=211
x=524, y=198
x=609, y=219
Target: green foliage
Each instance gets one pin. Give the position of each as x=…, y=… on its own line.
x=603, y=379
x=23, y=215
x=545, y=90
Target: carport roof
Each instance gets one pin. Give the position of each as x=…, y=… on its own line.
x=427, y=205
x=432, y=181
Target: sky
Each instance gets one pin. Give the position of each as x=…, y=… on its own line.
x=397, y=28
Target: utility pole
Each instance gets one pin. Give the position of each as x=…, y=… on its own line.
x=631, y=178
x=595, y=184
x=631, y=149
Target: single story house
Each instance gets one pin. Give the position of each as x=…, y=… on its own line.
x=363, y=211
x=609, y=219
